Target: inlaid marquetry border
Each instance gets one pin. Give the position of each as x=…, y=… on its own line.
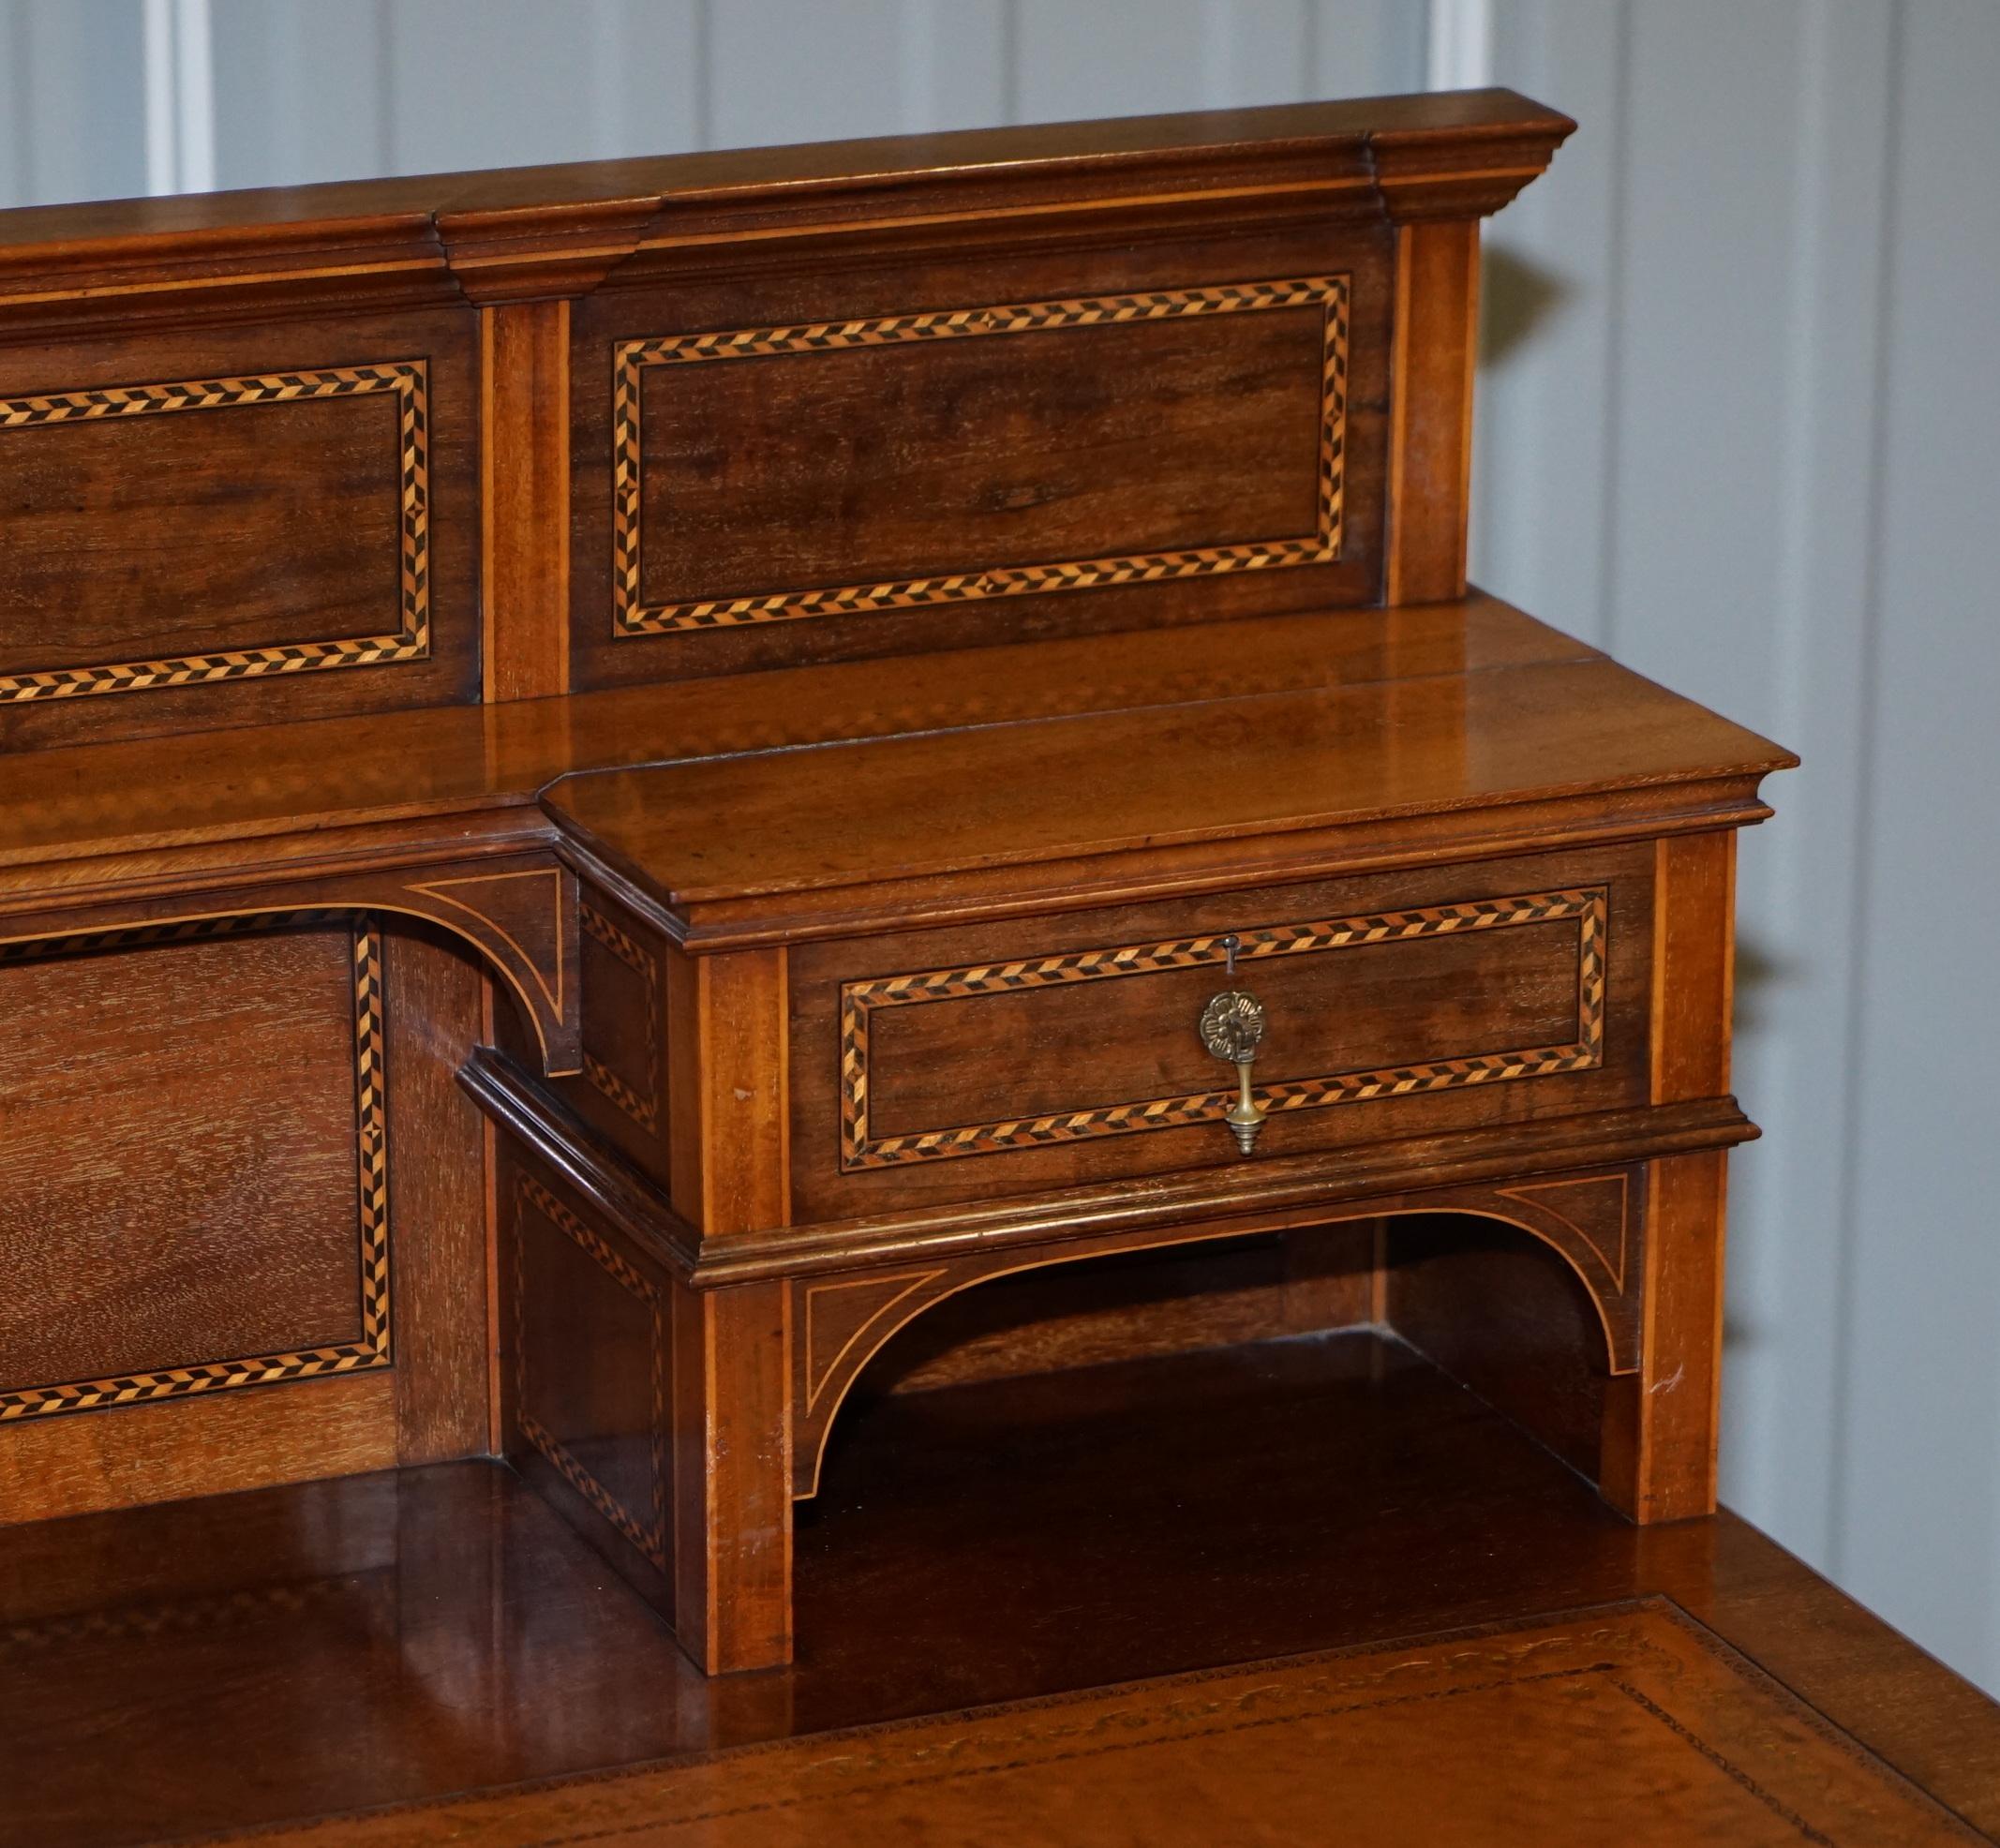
x=632, y=616
x=373, y=1349
x=407, y=379
x=648, y=1536
x=642, y=1109
x=861, y=1149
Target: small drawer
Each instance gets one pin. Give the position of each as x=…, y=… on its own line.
x=946, y=1064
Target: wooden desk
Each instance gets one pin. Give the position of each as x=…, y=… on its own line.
x=436, y=1658
x=620, y=782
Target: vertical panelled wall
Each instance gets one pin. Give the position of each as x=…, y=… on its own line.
x=1740, y=424
x=1739, y=421
x=333, y=89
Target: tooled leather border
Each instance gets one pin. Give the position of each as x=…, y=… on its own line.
x=407, y=379
x=861, y=1149
x=372, y=1350
x=632, y=616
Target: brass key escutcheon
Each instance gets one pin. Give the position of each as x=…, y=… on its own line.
x=1233, y=1028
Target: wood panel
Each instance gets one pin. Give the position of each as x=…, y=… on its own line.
x=433, y=993
x=105, y=532
x=202, y=1201
x=820, y=464
x=1365, y=1008
x=223, y=527
x=621, y=1091
x=524, y=364
x=978, y=452
x=184, y=1210
x=1135, y=1305
x=1076, y=1046
x=1500, y=1315
x=176, y=1448
x=586, y=1393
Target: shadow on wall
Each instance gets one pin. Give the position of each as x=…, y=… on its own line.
x=1516, y=296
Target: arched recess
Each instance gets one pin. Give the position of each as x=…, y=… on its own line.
x=518, y=912
x=1595, y=1222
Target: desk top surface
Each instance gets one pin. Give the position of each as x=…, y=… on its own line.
x=809, y=777
x=1121, y=781
x=1357, y=1494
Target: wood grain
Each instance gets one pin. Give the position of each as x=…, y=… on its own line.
x=307, y=511
x=837, y=830
x=1358, y=1500
x=525, y=483
x=127, y=545
x=434, y=995
x=182, y=1128
x=218, y=1445
x=965, y=511
x=829, y=465
x=162, y=796
x=733, y=1447
x=1070, y=1045
x=1430, y=448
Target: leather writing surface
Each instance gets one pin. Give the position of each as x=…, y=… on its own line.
x=1635, y=1725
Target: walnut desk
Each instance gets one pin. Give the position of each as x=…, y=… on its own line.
x=615, y=781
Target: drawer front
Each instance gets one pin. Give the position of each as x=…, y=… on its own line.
x=1067, y=1051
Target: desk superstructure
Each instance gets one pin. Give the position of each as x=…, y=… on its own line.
x=616, y=781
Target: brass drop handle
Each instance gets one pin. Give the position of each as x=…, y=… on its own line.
x=1233, y=1028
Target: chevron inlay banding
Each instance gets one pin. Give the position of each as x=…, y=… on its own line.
x=648, y=1532
x=860, y=1148
x=372, y=1350
x=633, y=616
x=406, y=379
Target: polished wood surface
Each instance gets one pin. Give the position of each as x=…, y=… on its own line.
x=837, y=832
x=1387, y=1018
x=271, y=785
x=519, y=231
x=1430, y=445
x=224, y=524
x=251, y=1192
x=1633, y=1723
x=678, y=617
x=397, y=1640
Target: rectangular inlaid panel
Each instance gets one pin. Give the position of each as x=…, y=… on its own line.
x=995, y=439
x=767, y=473
x=197, y=1193
x=938, y=1065
x=587, y=1337
x=298, y=499
x=224, y=525
x=1430, y=999
x=624, y=1064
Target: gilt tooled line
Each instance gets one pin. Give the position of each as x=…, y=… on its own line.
x=649, y=1538
x=371, y=1119
x=412, y=640
x=860, y=1150
x=631, y=616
